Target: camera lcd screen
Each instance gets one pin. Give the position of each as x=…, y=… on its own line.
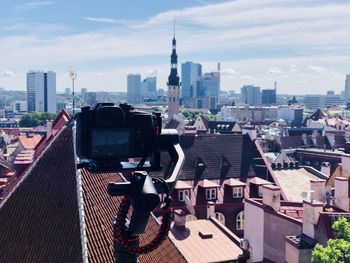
x=110, y=142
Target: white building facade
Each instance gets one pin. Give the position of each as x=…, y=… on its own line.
x=41, y=91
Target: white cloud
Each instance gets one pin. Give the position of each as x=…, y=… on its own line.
x=107, y=20
x=33, y=5
x=317, y=69
x=228, y=72
x=275, y=70
x=246, y=77
x=7, y=74
x=293, y=68
x=305, y=27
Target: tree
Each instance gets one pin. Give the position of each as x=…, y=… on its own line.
x=36, y=118
x=338, y=249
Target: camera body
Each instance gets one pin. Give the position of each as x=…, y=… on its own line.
x=106, y=132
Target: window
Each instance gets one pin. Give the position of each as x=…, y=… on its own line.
x=237, y=192
x=240, y=221
x=260, y=191
x=219, y=216
x=182, y=194
x=210, y=193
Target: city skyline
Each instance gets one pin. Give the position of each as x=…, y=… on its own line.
x=106, y=42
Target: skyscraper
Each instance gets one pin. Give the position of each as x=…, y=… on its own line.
x=173, y=84
x=134, y=93
x=251, y=95
x=211, y=88
x=347, y=89
x=190, y=82
x=268, y=96
x=41, y=91
x=149, y=87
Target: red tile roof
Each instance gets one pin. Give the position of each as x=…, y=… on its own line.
x=99, y=210
x=40, y=218
x=29, y=142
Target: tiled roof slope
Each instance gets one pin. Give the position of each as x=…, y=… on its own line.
x=29, y=142
x=99, y=210
x=40, y=218
x=211, y=150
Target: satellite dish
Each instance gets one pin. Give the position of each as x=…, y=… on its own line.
x=189, y=205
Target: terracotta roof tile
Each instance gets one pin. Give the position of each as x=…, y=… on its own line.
x=99, y=210
x=40, y=218
x=29, y=142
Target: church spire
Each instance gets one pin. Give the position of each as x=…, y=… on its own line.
x=173, y=77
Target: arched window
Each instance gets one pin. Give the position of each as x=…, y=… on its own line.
x=219, y=216
x=240, y=221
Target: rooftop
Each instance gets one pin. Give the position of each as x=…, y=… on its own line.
x=295, y=183
x=29, y=142
x=211, y=156
x=47, y=197
x=194, y=248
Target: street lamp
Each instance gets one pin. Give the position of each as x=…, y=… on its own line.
x=73, y=75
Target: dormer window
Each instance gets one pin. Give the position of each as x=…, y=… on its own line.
x=200, y=167
x=182, y=194
x=260, y=191
x=210, y=193
x=237, y=192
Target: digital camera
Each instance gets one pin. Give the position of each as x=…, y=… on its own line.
x=108, y=132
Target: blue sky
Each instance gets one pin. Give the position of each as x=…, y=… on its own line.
x=302, y=44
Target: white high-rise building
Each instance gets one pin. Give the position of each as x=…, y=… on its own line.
x=134, y=92
x=41, y=91
x=347, y=89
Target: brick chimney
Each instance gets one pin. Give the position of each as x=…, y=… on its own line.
x=210, y=209
x=341, y=193
x=272, y=196
x=326, y=168
x=311, y=213
x=179, y=219
x=48, y=129
x=318, y=187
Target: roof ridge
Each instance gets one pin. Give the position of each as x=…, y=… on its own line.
x=80, y=197
x=28, y=171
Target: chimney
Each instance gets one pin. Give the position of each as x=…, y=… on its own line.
x=304, y=138
x=314, y=137
x=345, y=162
x=179, y=219
x=318, y=187
x=219, y=66
x=48, y=129
x=210, y=209
x=341, y=193
x=272, y=196
x=326, y=168
x=311, y=213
